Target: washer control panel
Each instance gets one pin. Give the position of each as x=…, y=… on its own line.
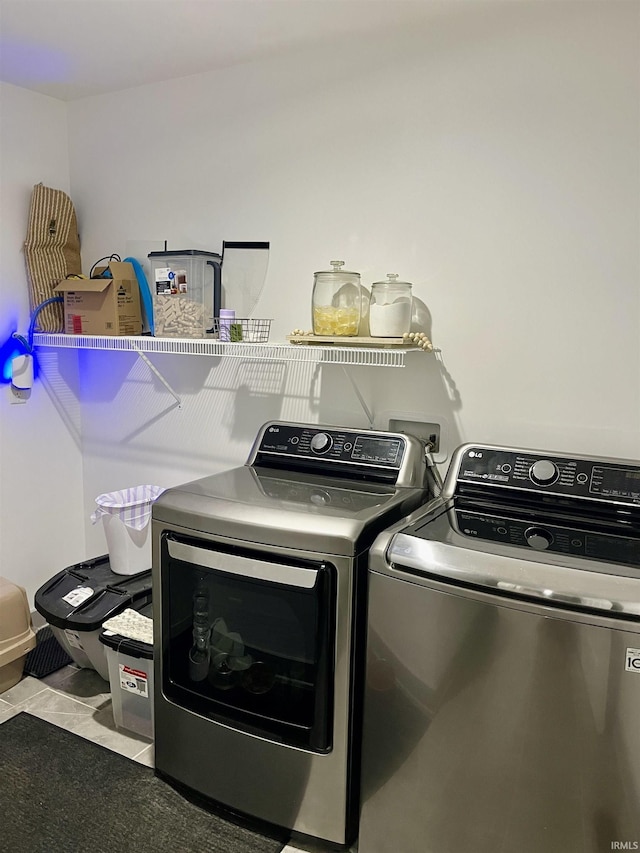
x=333, y=447
x=615, y=481
x=555, y=538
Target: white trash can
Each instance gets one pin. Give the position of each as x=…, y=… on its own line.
x=125, y=515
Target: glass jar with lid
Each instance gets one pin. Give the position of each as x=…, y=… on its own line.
x=336, y=302
x=390, y=309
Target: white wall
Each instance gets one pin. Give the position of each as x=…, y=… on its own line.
x=491, y=159
x=41, y=525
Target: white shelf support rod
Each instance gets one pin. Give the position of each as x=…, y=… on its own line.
x=155, y=370
x=359, y=396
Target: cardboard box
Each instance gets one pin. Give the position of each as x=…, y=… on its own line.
x=103, y=306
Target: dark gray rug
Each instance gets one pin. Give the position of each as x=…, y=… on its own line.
x=60, y=792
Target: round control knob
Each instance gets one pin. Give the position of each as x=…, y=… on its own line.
x=538, y=538
x=321, y=442
x=543, y=472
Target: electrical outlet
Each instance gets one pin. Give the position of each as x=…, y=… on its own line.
x=18, y=395
x=427, y=432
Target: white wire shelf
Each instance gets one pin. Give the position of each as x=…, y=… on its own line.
x=347, y=355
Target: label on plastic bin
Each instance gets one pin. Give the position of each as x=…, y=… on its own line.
x=78, y=595
x=170, y=281
x=164, y=279
x=73, y=638
x=134, y=680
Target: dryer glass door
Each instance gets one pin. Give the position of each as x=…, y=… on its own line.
x=248, y=639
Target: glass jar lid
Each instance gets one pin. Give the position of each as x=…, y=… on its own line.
x=337, y=270
x=392, y=280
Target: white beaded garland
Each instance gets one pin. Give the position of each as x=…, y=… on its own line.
x=417, y=338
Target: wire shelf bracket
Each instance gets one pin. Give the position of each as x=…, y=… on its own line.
x=155, y=370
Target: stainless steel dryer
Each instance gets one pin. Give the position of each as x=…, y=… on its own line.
x=502, y=701
x=259, y=580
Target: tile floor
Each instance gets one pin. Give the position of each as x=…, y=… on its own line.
x=79, y=700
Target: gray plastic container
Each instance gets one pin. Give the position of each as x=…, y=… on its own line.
x=185, y=287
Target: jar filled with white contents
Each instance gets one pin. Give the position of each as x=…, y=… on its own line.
x=390, y=308
x=336, y=302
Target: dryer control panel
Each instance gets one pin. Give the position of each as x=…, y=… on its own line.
x=611, y=481
x=340, y=452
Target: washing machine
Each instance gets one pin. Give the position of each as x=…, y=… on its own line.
x=502, y=698
x=260, y=577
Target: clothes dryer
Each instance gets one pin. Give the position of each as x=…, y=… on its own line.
x=260, y=577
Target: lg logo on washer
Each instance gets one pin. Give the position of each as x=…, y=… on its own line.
x=632, y=660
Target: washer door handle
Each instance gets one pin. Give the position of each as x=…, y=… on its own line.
x=243, y=566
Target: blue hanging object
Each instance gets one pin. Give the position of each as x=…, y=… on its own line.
x=145, y=293
x=27, y=342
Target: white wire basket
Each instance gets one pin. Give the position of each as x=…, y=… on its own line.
x=241, y=330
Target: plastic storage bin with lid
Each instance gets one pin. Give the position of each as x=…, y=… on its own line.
x=79, y=599
x=186, y=290
x=16, y=635
x=128, y=642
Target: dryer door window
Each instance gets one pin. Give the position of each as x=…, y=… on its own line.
x=249, y=640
